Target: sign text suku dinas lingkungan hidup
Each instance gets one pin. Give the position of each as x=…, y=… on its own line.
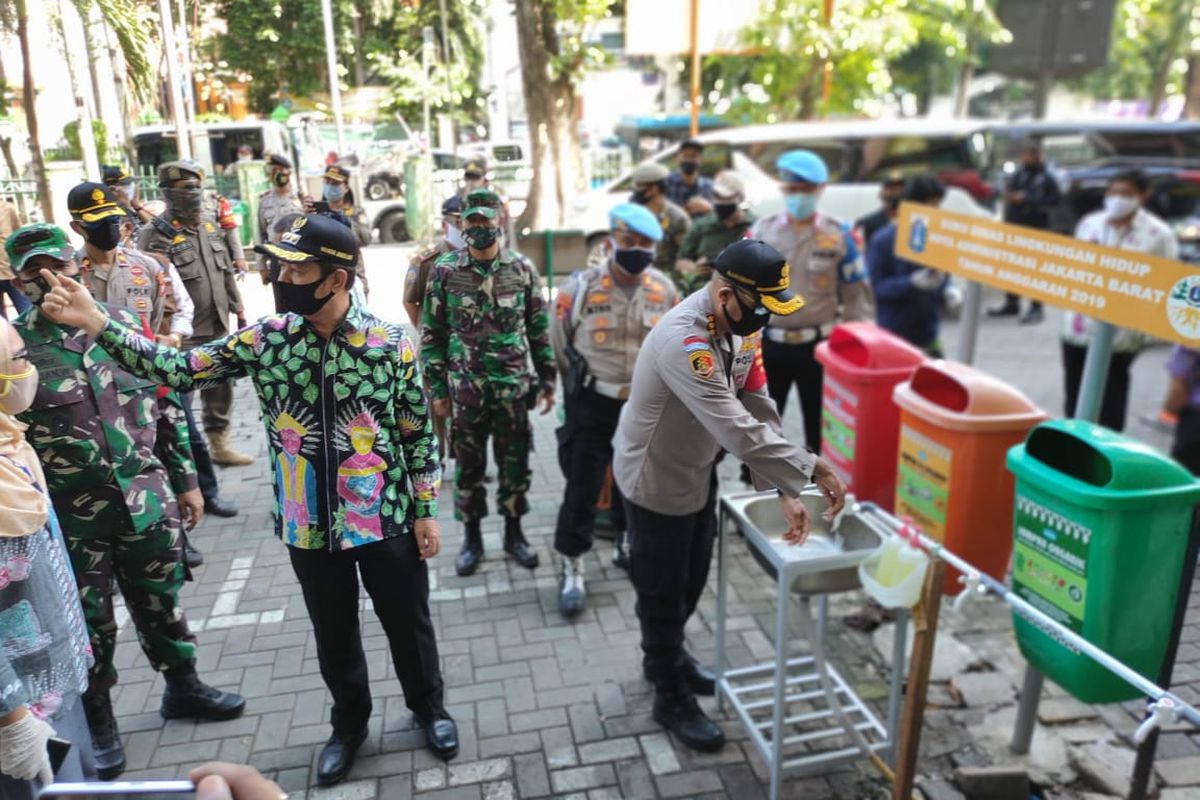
x=1153, y=295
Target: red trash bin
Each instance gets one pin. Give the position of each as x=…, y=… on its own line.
x=860, y=422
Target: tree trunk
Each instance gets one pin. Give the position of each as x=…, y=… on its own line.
x=29, y=103
x=551, y=113
x=90, y=18
x=360, y=73
x=87, y=139
x=1179, y=15
x=1191, y=92
x=120, y=77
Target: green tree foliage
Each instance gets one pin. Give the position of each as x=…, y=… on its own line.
x=1149, y=51
x=280, y=45
x=395, y=57
x=877, y=49
x=130, y=23
x=74, y=151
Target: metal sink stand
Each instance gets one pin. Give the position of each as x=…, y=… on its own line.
x=789, y=740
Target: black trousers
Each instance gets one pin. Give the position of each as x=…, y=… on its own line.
x=1115, y=399
x=669, y=558
x=398, y=582
x=788, y=364
x=205, y=473
x=584, y=453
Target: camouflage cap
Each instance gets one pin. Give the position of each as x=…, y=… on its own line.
x=39, y=239
x=482, y=198
x=182, y=170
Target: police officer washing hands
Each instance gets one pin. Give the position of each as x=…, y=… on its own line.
x=699, y=388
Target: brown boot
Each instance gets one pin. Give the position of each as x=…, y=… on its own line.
x=223, y=453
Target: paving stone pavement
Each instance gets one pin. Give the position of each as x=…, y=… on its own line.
x=554, y=709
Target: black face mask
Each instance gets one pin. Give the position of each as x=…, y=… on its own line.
x=282, y=179
x=103, y=235
x=891, y=203
x=481, y=237
x=633, y=260
x=750, y=321
x=688, y=167
x=639, y=196
x=725, y=210
x=301, y=298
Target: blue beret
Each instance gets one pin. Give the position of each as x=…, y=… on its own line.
x=635, y=219
x=802, y=165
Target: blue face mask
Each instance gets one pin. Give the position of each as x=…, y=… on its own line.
x=333, y=192
x=801, y=206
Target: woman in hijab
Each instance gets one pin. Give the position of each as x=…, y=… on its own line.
x=44, y=649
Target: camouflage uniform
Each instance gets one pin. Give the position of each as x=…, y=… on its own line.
x=114, y=454
x=482, y=323
x=675, y=224
x=707, y=237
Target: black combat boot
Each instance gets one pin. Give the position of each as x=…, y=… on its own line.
x=107, y=752
x=676, y=710
x=516, y=545
x=187, y=697
x=472, y=549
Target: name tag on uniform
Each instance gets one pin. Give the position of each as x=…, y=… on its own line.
x=463, y=281
x=507, y=282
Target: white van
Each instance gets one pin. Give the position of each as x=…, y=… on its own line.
x=858, y=153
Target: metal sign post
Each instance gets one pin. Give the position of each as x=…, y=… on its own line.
x=972, y=307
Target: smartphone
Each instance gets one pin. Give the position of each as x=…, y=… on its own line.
x=120, y=790
x=320, y=207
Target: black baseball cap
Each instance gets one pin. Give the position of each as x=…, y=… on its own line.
x=453, y=206
x=692, y=144
x=114, y=173
x=758, y=267
x=315, y=237
x=276, y=160
x=92, y=202
x=477, y=166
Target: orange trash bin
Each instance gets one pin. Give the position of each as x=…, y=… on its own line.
x=860, y=422
x=956, y=426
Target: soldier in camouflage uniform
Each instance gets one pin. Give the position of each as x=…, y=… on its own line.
x=484, y=318
x=115, y=454
x=189, y=237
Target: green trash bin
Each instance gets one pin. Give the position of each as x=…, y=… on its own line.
x=245, y=227
x=1101, y=525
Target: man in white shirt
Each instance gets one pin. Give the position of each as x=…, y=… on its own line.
x=1123, y=224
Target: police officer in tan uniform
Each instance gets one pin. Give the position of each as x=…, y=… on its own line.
x=650, y=190
x=601, y=316
x=188, y=236
x=698, y=388
x=421, y=265
x=825, y=268
x=277, y=202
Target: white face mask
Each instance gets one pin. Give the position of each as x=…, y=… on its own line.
x=1118, y=206
x=17, y=390
x=454, y=237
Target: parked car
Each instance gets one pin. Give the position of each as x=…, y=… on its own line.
x=859, y=154
x=1083, y=157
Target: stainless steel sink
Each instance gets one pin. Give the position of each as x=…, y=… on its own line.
x=824, y=564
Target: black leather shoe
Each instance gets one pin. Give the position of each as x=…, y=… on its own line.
x=696, y=677
x=441, y=736
x=516, y=545
x=337, y=757
x=472, y=549
x=192, y=556
x=108, y=755
x=691, y=673
x=681, y=714
x=187, y=697
x=219, y=508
